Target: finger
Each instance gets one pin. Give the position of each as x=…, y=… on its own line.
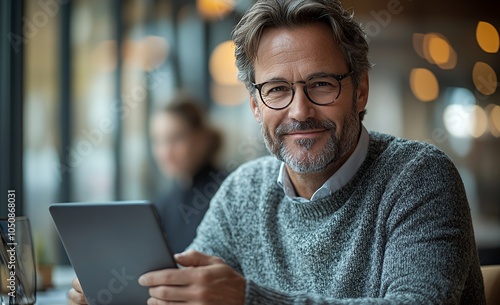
x=76, y=297
x=170, y=293
x=153, y=301
x=177, y=277
x=194, y=258
x=76, y=285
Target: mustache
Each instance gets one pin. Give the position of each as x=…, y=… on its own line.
x=310, y=124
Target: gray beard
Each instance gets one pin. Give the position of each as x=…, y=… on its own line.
x=303, y=160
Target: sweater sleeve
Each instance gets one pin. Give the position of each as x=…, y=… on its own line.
x=260, y=295
x=430, y=250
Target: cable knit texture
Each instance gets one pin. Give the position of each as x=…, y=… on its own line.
x=399, y=232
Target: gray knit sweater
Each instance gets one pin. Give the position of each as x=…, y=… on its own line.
x=399, y=232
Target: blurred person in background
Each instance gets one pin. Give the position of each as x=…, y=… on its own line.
x=185, y=146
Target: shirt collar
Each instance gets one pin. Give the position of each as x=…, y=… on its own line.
x=338, y=180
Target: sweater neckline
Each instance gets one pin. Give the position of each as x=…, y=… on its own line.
x=329, y=205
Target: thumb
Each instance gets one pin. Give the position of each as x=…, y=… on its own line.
x=192, y=258
x=76, y=285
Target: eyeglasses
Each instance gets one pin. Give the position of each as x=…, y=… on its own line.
x=321, y=89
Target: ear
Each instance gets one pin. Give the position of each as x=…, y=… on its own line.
x=362, y=92
x=255, y=108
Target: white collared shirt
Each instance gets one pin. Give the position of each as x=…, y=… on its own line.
x=338, y=180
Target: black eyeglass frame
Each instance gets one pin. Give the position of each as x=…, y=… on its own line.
x=337, y=77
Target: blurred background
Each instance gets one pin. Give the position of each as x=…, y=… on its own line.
x=79, y=80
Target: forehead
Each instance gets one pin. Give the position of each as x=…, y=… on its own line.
x=298, y=52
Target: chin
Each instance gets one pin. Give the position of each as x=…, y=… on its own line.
x=312, y=145
x=305, y=161
x=304, y=167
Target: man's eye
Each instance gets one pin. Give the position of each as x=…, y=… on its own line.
x=321, y=84
x=278, y=89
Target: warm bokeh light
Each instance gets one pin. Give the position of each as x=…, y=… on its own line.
x=494, y=120
x=228, y=95
x=485, y=78
x=215, y=9
x=222, y=64
x=424, y=85
x=487, y=37
x=437, y=50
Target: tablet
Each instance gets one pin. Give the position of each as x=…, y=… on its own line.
x=110, y=245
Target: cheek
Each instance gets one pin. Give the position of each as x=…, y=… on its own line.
x=270, y=120
x=348, y=123
x=183, y=152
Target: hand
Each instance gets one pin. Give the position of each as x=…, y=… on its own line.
x=75, y=294
x=206, y=280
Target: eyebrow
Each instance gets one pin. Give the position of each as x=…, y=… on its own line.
x=310, y=76
x=319, y=74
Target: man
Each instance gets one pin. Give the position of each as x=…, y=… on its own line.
x=338, y=215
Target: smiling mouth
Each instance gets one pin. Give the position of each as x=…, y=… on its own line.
x=306, y=133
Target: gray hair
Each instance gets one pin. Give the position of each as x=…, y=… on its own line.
x=263, y=14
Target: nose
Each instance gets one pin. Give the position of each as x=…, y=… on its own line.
x=301, y=108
